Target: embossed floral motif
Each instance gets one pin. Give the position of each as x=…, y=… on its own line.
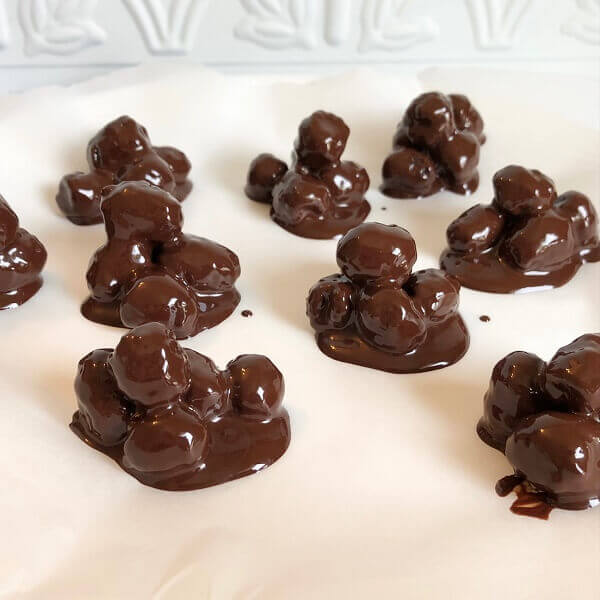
x=59, y=26
x=385, y=28
x=585, y=24
x=4, y=31
x=495, y=22
x=279, y=23
x=168, y=26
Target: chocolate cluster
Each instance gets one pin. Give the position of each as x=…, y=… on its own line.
x=321, y=195
x=545, y=417
x=172, y=419
x=378, y=313
x=22, y=258
x=527, y=238
x=436, y=146
x=120, y=152
x=149, y=270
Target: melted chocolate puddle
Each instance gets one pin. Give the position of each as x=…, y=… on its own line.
x=445, y=344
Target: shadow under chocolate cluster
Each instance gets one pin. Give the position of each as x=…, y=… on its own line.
x=545, y=417
x=527, y=238
x=22, y=258
x=173, y=420
x=379, y=314
x=321, y=195
x=149, y=270
x=122, y=151
x=436, y=146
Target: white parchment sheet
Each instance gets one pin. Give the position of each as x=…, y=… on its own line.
x=385, y=491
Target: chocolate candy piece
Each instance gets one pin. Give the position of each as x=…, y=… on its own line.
x=330, y=302
x=150, y=367
x=264, y=174
x=377, y=314
x=579, y=210
x=526, y=239
x=515, y=391
x=388, y=319
x=573, y=376
x=476, y=230
x=321, y=196
x=520, y=191
x=373, y=251
x=102, y=408
x=171, y=419
x=434, y=293
x=321, y=140
x=120, y=152
x=150, y=271
x=435, y=146
x=256, y=386
x=543, y=243
x=22, y=258
x=559, y=454
x=409, y=173
x=556, y=453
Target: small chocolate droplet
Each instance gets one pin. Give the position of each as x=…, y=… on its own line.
x=247, y=313
x=484, y=318
x=384, y=208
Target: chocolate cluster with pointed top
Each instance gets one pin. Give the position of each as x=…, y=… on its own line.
x=119, y=152
x=545, y=417
x=378, y=313
x=527, y=237
x=149, y=270
x=172, y=419
x=321, y=195
x=436, y=146
x=22, y=258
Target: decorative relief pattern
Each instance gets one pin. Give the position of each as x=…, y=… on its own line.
x=585, y=25
x=59, y=26
x=4, y=30
x=168, y=26
x=277, y=24
x=495, y=22
x=384, y=27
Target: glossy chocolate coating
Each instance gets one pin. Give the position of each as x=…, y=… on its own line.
x=120, y=152
x=378, y=314
x=172, y=419
x=149, y=270
x=546, y=419
x=321, y=196
x=436, y=146
x=527, y=238
x=22, y=258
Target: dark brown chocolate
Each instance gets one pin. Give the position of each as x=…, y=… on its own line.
x=120, y=152
x=22, y=258
x=436, y=146
x=172, y=419
x=546, y=418
x=528, y=238
x=378, y=313
x=149, y=270
x=321, y=195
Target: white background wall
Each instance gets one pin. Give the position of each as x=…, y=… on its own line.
x=60, y=41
